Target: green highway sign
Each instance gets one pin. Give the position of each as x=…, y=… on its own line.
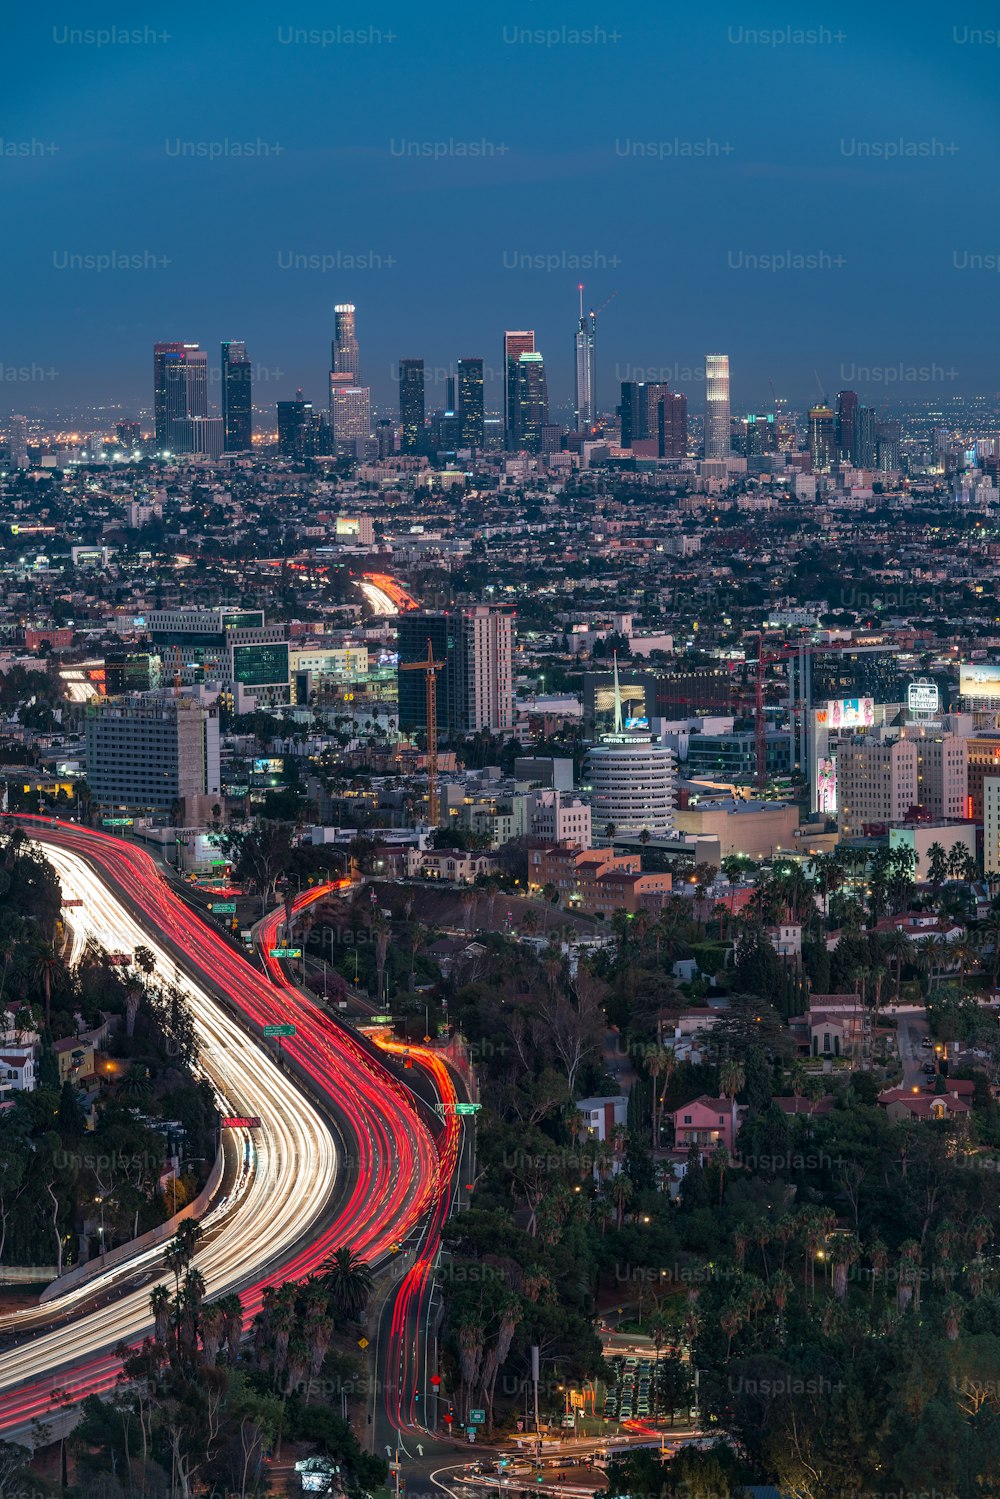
x=381, y=1020
x=478, y=1418
x=279, y=1030
x=467, y=1108
x=227, y=906
x=286, y=952
x=117, y=822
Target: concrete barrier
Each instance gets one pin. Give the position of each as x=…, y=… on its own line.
x=162, y=1234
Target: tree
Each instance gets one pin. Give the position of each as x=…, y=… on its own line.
x=350, y=1280
x=49, y=968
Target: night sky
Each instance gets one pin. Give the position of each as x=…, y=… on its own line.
x=663, y=153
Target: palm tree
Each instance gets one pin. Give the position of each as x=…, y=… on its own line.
x=781, y=1289
x=160, y=1306
x=878, y=1255
x=732, y=1077
x=48, y=967
x=213, y=1329
x=232, y=1309
x=844, y=1252
x=350, y=1280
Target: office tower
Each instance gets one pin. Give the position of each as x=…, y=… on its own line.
x=345, y=358
x=470, y=402
x=350, y=416
x=198, y=435
x=888, y=451
x=640, y=411
x=761, y=435
x=865, y=441
x=180, y=387
x=385, y=438
x=673, y=425
x=514, y=345
x=847, y=421
x=717, y=434
x=129, y=435
x=530, y=411
x=237, y=395
x=822, y=437
x=445, y=432
x=628, y=412
x=152, y=753
x=295, y=421
x=585, y=358
x=877, y=782
x=411, y=405
x=17, y=435
x=476, y=686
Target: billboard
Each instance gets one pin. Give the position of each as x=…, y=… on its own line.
x=980, y=681
x=849, y=713
x=923, y=698
x=826, y=784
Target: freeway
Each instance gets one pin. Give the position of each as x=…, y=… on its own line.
x=404, y=1366
x=390, y=1168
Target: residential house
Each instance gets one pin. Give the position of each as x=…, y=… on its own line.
x=706, y=1123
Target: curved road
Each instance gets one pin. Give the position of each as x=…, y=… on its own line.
x=391, y=1167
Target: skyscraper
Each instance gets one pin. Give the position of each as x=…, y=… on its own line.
x=345, y=358
x=847, y=417
x=585, y=354
x=530, y=411
x=237, y=394
x=822, y=436
x=673, y=425
x=514, y=345
x=865, y=442
x=476, y=687
x=470, y=402
x=717, y=433
x=640, y=411
x=411, y=405
x=888, y=451
x=17, y=431
x=295, y=427
x=761, y=436
x=180, y=387
x=350, y=416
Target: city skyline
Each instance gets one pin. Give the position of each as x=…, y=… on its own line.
x=814, y=234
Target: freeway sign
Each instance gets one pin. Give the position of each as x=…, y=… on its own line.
x=467, y=1108
x=362, y=1342
x=72, y=902
x=279, y=1030
x=240, y=1121
x=477, y=1417
x=286, y=952
x=117, y=822
x=220, y=906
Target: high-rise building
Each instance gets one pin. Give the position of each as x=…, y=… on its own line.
x=761, y=435
x=345, y=358
x=152, y=753
x=673, y=425
x=412, y=411
x=866, y=438
x=515, y=344
x=476, y=686
x=350, y=416
x=180, y=387
x=888, y=450
x=847, y=422
x=530, y=413
x=17, y=436
x=203, y=436
x=470, y=402
x=585, y=359
x=129, y=435
x=237, y=397
x=296, y=426
x=822, y=437
x=718, y=440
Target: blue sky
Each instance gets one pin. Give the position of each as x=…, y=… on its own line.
x=453, y=172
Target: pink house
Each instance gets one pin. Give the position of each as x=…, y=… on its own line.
x=707, y=1122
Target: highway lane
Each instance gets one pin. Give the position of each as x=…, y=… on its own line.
x=392, y=1161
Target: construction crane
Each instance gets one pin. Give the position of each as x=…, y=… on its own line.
x=431, y=668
